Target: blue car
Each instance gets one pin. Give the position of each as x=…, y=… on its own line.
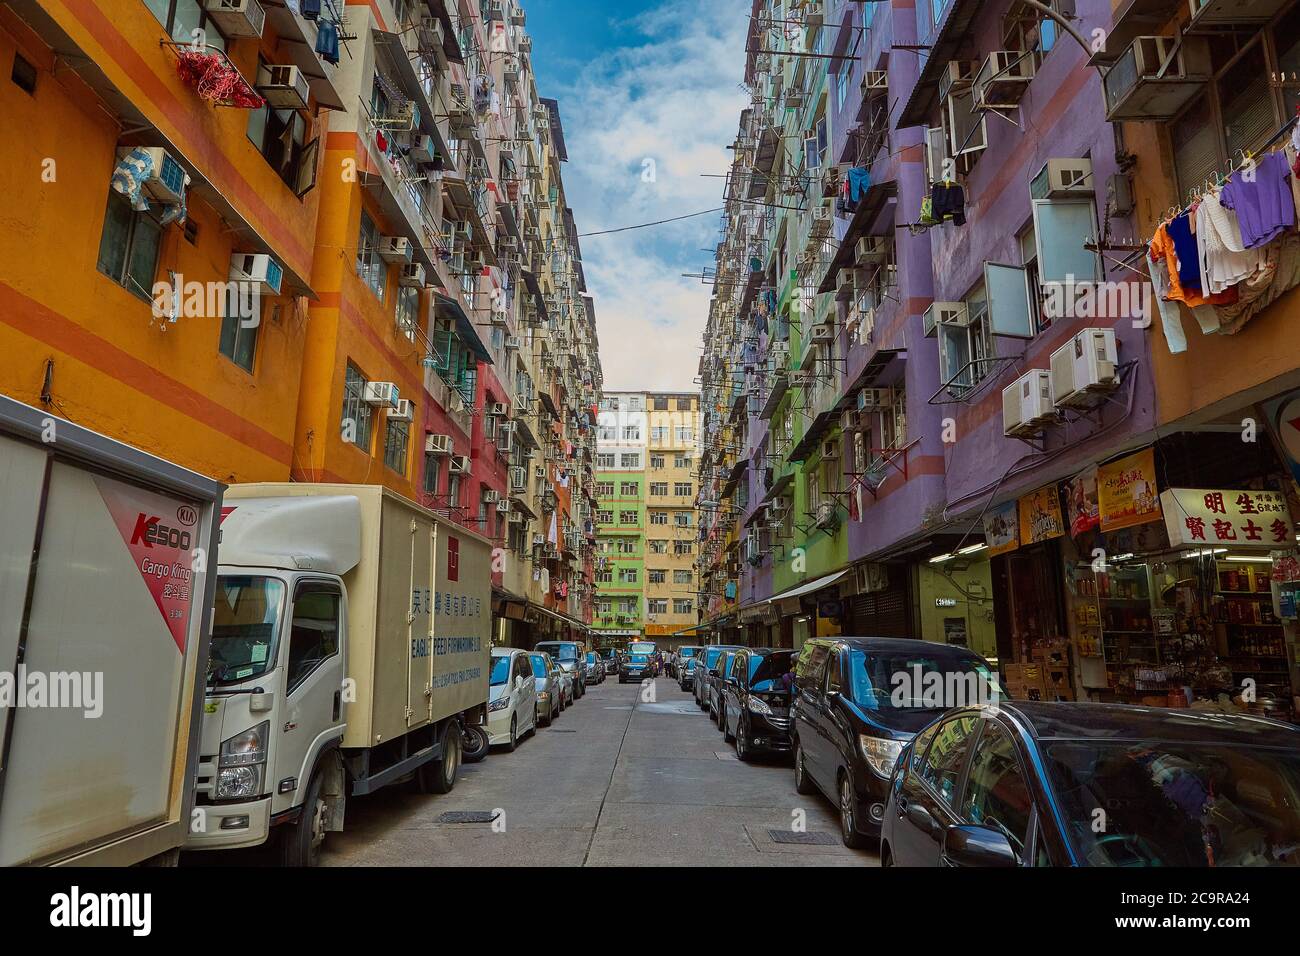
x=635, y=667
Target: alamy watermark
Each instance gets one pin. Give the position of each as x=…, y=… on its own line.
x=178, y=299
x=53, y=690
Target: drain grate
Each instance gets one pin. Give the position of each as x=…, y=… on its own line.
x=467, y=816
x=809, y=838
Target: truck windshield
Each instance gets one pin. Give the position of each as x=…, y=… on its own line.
x=245, y=627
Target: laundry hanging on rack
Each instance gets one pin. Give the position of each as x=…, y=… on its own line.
x=857, y=181
x=1263, y=201
x=327, y=41
x=948, y=201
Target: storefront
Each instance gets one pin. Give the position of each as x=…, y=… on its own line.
x=955, y=599
x=881, y=607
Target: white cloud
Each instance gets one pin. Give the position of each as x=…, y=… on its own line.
x=674, y=100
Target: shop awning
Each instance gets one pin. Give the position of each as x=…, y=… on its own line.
x=689, y=630
x=943, y=48
x=808, y=587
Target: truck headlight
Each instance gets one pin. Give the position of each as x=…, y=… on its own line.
x=241, y=763
x=239, y=783
x=881, y=753
x=757, y=706
x=501, y=703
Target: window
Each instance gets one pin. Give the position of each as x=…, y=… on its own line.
x=626, y=545
x=314, y=633
x=627, y=575
x=432, y=472
x=281, y=137
x=396, y=438
x=370, y=267
x=996, y=793
x=842, y=85
x=681, y=461
x=604, y=461
x=658, y=546
x=631, y=432
x=658, y=517
x=947, y=754
x=682, y=605
x=1028, y=241
x=238, y=340
x=630, y=461
x=630, y=605
x=962, y=348
x=683, y=547
x=658, y=433
x=604, y=576
x=656, y=576
x=656, y=605
x=356, y=413
x=453, y=490
x=684, y=404
x=606, y=433
x=628, y=489
x=605, y=489
x=1024, y=28
x=658, y=489
x=660, y=404
x=685, y=435
x=627, y=517
x=835, y=673
x=128, y=247
x=682, y=577
x=656, y=461
x=605, y=517
x=893, y=421
x=682, y=489
x=182, y=18
x=408, y=312
x=1061, y=227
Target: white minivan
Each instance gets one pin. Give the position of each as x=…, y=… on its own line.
x=512, y=697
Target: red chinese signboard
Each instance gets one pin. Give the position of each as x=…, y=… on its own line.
x=1229, y=519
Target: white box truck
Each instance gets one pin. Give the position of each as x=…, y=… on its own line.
x=103, y=643
x=351, y=637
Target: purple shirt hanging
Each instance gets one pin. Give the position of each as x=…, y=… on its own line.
x=1264, y=206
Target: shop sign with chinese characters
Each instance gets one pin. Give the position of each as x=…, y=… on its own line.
x=1237, y=519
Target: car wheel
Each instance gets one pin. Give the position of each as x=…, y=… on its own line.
x=848, y=815
x=514, y=734
x=474, y=744
x=742, y=742
x=549, y=716
x=300, y=841
x=886, y=857
x=439, y=776
x=802, y=782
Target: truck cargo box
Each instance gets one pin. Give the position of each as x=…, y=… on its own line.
x=419, y=610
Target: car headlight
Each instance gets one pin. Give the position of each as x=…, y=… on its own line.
x=241, y=762
x=881, y=753
x=543, y=695
x=501, y=703
x=757, y=706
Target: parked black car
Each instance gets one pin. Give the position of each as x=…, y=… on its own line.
x=717, y=677
x=610, y=657
x=756, y=701
x=700, y=684
x=679, y=661
x=858, y=701
x=571, y=656
x=1072, y=784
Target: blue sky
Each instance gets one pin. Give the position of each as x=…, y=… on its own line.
x=650, y=98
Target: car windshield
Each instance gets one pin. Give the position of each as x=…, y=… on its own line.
x=641, y=647
x=592, y=658
x=1178, y=804
x=884, y=681
x=244, y=627
x=688, y=651
x=765, y=672
x=640, y=658
x=726, y=664
x=500, y=671
x=711, y=656
x=561, y=652
x=539, y=664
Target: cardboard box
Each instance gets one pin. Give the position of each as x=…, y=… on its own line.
x=1022, y=672
x=1033, y=689
x=1056, y=653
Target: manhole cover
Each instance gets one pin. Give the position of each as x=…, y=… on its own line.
x=467, y=816
x=810, y=838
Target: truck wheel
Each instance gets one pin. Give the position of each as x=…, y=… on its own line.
x=300, y=841
x=439, y=776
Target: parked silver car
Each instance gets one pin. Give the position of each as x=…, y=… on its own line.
x=550, y=686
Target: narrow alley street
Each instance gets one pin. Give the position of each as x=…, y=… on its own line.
x=615, y=781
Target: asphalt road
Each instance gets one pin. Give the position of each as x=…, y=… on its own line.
x=618, y=780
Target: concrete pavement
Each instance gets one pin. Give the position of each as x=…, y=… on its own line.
x=617, y=780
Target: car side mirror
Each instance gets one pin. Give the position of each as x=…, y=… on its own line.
x=967, y=845
x=519, y=682
x=713, y=672
x=832, y=692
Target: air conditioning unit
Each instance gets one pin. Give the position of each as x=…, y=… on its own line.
x=875, y=82
x=800, y=378
x=1155, y=77
x=779, y=504
x=460, y=464
x=844, y=281
x=423, y=149
x=412, y=276
x=241, y=19
x=1229, y=13
x=395, y=249
x=1083, y=366
x=518, y=478
x=874, y=399
x=284, y=87
x=826, y=517
x=521, y=404
x=380, y=393
x=514, y=342
x=168, y=180
x=403, y=411
x=822, y=332
x=506, y=438
x=823, y=212
x=498, y=410
x=1003, y=77
x=830, y=450
x=871, y=249
x=437, y=444
x=259, y=268
x=958, y=75
x=1027, y=403
x=944, y=313
x=850, y=420
x=490, y=496
x=539, y=539
x=503, y=506
x=514, y=517
x=1062, y=179
x=525, y=44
